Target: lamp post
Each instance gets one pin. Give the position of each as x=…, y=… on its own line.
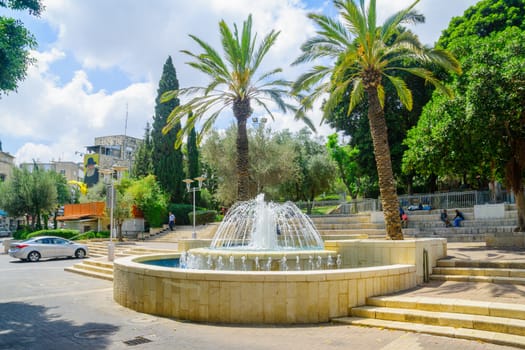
x=109, y=184
x=189, y=189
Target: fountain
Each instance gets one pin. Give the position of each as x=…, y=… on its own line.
x=268, y=264
x=262, y=231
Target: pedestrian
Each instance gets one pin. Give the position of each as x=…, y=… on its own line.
x=171, y=221
x=458, y=218
x=444, y=218
x=404, y=218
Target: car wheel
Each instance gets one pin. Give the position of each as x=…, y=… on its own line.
x=33, y=256
x=80, y=253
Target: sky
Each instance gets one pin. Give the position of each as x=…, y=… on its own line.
x=99, y=62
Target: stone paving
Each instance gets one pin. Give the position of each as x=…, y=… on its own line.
x=503, y=293
x=44, y=307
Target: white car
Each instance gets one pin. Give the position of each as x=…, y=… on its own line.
x=47, y=247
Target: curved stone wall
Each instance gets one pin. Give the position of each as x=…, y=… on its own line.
x=251, y=297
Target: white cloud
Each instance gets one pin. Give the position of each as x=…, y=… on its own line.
x=60, y=120
x=56, y=116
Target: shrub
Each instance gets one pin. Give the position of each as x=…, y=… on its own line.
x=60, y=233
x=22, y=232
x=182, y=213
x=202, y=216
x=92, y=235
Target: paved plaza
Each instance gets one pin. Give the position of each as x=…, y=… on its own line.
x=44, y=307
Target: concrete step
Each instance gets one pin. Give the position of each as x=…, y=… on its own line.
x=476, y=271
x=88, y=273
x=500, y=264
x=483, y=279
x=94, y=269
x=460, y=306
x=145, y=251
x=447, y=319
x=452, y=332
x=492, y=322
x=108, y=270
x=349, y=226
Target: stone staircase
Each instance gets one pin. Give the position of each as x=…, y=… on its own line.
x=93, y=268
x=426, y=223
x=486, y=321
x=347, y=226
x=502, y=272
x=99, y=267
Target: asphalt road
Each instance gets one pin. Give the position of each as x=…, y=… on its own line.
x=44, y=307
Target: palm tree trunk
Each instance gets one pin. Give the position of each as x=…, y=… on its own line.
x=242, y=111
x=387, y=185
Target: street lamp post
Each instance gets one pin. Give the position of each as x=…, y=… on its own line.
x=109, y=184
x=189, y=189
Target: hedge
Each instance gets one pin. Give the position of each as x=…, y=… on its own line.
x=202, y=217
x=67, y=234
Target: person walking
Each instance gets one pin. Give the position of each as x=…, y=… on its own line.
x=171, y=221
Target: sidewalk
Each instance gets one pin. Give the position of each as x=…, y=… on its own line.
x=475, y=291
x=478, y=251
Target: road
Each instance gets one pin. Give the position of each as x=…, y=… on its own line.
x=44, y=307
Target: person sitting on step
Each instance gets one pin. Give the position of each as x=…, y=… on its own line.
x=444, y=218
x=458, y=218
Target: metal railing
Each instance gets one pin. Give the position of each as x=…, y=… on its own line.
x=445, y=200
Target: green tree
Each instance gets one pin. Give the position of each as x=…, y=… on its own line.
x=399, y=121
x=484, y=18
x=15, y=44
x=345, y=158
x=150, y=199
x=167, y=161
x=365, y=53
x=29, y=193
x=315, y=172
x=234, y=83
x=122, y=204
x=64, y=194
x=480, y=133
x=218, y=153
x=143, y=163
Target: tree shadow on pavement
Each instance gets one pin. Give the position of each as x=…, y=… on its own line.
x=28, y=326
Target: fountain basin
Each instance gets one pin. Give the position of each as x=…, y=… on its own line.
x=247, y=297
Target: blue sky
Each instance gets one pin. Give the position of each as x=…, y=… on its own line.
x=96, y=57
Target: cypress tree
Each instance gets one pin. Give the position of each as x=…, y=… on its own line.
x=167, y=161
x=143, y=162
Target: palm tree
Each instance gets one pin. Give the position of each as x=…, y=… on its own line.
x=363, y=54
x=233, y=82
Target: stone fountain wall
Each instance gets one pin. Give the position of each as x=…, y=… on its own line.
x=272, y=297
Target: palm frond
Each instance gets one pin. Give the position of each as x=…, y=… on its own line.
x=354, y=17
x=266, y=75
x=231, y=46
x=268, y=41
x=445, y=59
x=429, y=77
x=408, y=15
x=209, y=53
x=357, y=94
x=310, y=78
x=404, y=93
x=381, y=95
